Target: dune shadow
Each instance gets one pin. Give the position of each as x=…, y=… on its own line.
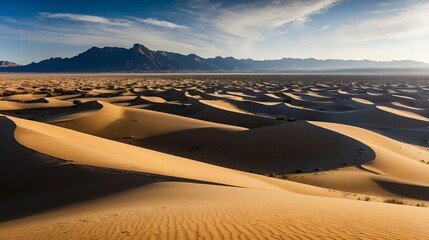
x=284, y=148
x=33, y=183
x=414, y=136
x=405, y=190
x=45, y=113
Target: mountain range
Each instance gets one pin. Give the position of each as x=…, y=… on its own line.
x=141, y=59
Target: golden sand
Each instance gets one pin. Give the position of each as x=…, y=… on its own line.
x=213, y=157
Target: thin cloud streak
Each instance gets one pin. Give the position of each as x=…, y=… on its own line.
x=237, y=28
x=86, y=18
x=409, y=22
x=96, y=34
x=160, y=23
x=256, y=21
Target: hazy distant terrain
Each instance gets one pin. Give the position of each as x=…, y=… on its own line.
x=4, y=64
x=141, y=59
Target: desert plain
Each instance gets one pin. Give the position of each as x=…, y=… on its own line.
x=241, y=156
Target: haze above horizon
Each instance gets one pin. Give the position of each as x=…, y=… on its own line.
x=322, y=29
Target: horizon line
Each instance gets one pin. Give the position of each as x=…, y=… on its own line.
x=275, y=59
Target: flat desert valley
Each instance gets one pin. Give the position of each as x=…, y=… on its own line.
x=214, y=157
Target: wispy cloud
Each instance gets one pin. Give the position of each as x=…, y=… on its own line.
x=236, y=27
x=213, y=28
x=256, y=20
x=326, y=27
x=252, y=28
x=159, y=23
x=98, y=31
x=86, y=18
x=408, y=22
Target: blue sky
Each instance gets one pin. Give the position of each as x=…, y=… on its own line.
x=324, y=29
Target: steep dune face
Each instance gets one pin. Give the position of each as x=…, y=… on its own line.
x=33, y=182
x=93, y=151
x=117, y=122
x=357, y=180
x=240, y=156
x=393, y=158
x=275, y=149
x=226, y=115
x=398, y=169
x=7, y=104
x=371, y=116
x=278, y=150
x=401, y=125
x=23, y=98
x=404, y=113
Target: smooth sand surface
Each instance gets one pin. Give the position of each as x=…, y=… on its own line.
x=213, y=157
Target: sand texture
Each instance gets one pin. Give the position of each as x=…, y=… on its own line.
x=214, y=157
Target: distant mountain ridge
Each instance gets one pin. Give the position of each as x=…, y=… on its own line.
x=4, y=64
x=141, y=59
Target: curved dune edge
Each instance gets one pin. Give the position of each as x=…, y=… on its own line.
x=90, y=150
x=393, y=158
x=276, y=149
x=404, y=113
x=51, y=103
x=361, y=100
x=240, y=118
x=370, y=116
x=401, y=105
x=153, y=99
x=24, y=97
x=223, y=105
x=113, y=121
x=373, y=186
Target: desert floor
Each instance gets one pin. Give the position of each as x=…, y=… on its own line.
x=214, y=157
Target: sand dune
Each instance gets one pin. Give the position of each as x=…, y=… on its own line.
x=184, y=211
x=392, y=158
x=117, y=122
x=231, y=115
x=279, y=148
x=371, y=116
x=216, y=157
x=40, y=103
x=80, y=148
x=397, y=169
x=404, y=113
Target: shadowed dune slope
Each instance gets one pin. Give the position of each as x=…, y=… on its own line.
x=32, y=181
x=393, y=158
x=187, y=211
x=398, y=169
x=80, y=148
x=118, y=122
x=228, y=156
x=273, y=149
